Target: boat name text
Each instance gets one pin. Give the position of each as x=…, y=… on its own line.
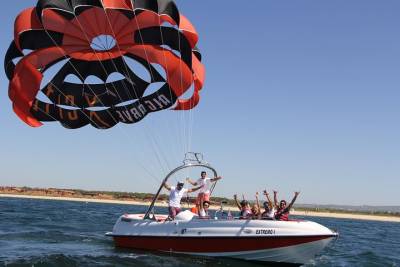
x=265, y=231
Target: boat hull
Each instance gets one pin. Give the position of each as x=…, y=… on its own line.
x=293, y=242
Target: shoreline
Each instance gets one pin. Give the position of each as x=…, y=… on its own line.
x=164, y=204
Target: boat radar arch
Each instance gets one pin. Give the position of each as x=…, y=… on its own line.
x=191, y=160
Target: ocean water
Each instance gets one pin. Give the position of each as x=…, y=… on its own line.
x=61, y=233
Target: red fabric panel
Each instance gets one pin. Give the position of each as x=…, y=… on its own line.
x=118, y=22
x=90, y=55
x=55, y=22
x=87, y=22
x=25, y=21
x=199, y=76
x=179, y=76
x=144, y=20
x=187, y=104
x=23, y=89
x=25, y=84
x=166, y=18
x=188, y=30
x=199, y=72
x=25, y=116
x=118, y=4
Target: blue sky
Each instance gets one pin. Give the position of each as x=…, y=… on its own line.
x=299, y=95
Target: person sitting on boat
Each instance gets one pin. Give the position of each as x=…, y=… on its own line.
x=283, y=211
x=269, y=208
x=175, y=196
x=255, y=210
x=244, y=207
x=203, y=213
x=204, y=183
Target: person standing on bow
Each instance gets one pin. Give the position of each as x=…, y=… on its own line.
x=175, y=196
x=204, y=193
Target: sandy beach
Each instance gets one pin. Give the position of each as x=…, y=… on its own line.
x=347, y=216
x=164, y=204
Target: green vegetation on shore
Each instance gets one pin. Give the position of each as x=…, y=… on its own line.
x=146, y=197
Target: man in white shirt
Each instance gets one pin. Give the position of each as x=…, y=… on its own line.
x=175, y=196
x=204, y=193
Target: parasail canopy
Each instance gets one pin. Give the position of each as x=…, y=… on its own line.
x=96, y=38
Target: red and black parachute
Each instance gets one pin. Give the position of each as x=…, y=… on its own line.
x=147, y=31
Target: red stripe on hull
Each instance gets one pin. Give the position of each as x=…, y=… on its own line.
x=211, y=244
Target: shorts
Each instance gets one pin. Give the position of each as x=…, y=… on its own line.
x=173, y=211
x=201, y=197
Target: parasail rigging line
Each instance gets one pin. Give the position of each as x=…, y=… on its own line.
x=154, y=144
x=81, y=76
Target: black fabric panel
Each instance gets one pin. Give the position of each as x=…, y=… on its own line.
x=146, y=4
x=197, y=53
x=44, y=111
x=76, y=3
x=37, y=39
x=73, y=119
x=107, y=118
x=67, y=8
x=71, y=8
x=12, y=53
x=29, y=40
x=81, y=5
x=166, y=7
x=162, y=99
x=169, y=8
x=101, y=69
x=155, y=75
x=98, y=95
x=63, y=7
x=103, y=119
x=94, y=95
x=166, y=36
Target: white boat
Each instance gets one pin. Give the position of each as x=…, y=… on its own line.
x=289, y=242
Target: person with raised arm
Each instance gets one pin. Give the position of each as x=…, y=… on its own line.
x=276, y=199
x=269, y=208
x=256, y=209
x=204, y=183
x=244, y=207
x=175, y=196
x=283, y=211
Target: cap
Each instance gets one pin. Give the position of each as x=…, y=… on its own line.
x=181, y=183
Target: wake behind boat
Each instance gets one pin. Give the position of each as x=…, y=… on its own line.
x=291, y=242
